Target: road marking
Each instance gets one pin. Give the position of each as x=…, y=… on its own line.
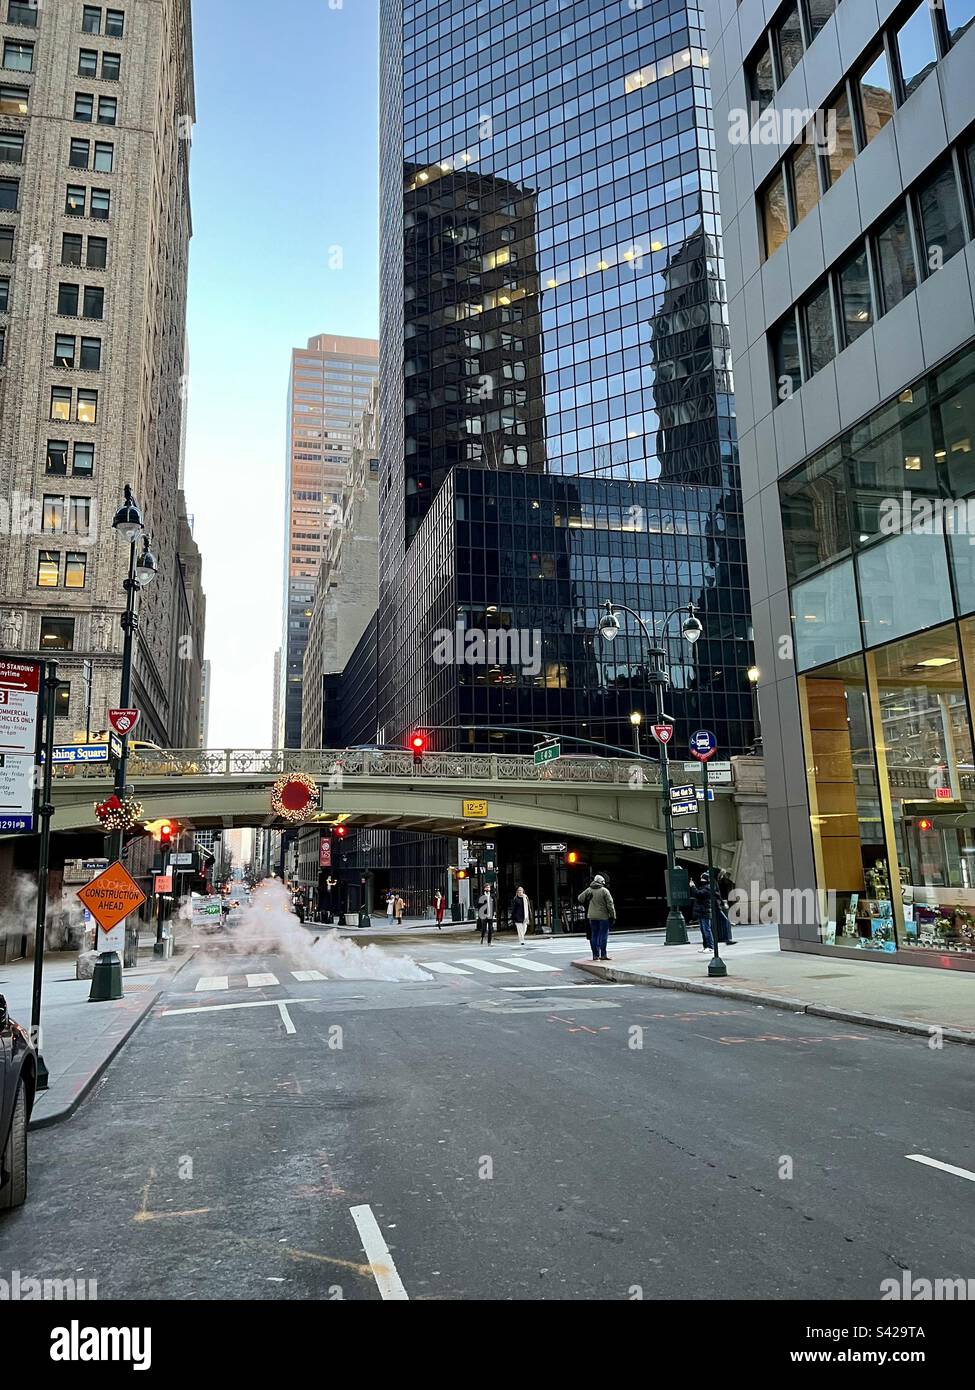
x=535, y=989
x=248, y=1004
x=209, y=982
x=945, y=1167
x=523, y=963
x=441, y=968
x=489, y=967
x=377, y=1251
x=305, y=975
x=256, y=981
x=286, y=1018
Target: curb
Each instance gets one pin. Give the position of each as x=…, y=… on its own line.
x=777, y=1001
x=54, y=1117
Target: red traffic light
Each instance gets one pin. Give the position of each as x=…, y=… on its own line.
x=418, y=743
x=924, y=823
x=340, y=832
x=166, y=832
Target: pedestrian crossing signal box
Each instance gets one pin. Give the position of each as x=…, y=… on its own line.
x=692, y=839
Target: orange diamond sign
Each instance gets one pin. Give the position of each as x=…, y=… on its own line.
x=112, y=896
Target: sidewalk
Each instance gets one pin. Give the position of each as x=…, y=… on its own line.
x=905, y=998
x=78, y=1039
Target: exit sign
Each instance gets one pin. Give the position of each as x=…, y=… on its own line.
x=943, y=794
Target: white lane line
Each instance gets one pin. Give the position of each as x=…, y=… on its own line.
x=945, y=1167
x=489, y=967
x=289, y=1026
x=523, y=963
x=534, y=989
x=208, y=982
x=256, y=981
x=441, y=968
x=305, y=975
x=377, y=1252
x=248, y=1004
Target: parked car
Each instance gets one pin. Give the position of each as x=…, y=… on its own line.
x=18, y=1075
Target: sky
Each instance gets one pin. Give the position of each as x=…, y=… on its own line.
x=283, y=169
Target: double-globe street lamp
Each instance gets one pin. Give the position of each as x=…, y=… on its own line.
x=658, y=675
x=106, y=982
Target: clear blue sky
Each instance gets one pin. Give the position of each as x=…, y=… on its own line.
x=283, y=168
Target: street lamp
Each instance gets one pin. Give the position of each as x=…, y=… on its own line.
x=636, y=719
x=657, y=674
x=106, y=980
x=753, y=676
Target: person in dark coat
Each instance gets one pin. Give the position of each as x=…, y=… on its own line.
x=600, y=911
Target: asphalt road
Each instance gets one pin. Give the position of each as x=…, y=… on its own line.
x=519, y=1134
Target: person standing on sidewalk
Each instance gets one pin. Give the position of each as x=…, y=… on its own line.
x=600, y=911
x=485, y=912
x=520, y=913
x=439, y=908
x=399, y=907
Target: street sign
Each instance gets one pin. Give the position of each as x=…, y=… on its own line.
x=716, y=765
x=114, y=748
x=475, y=810
x=547, y=753
x=700, y=794
x=681, y=793
x=82, y=870
x=184, y=857
x=703, y=745
x=111, y=896
x=684, y=808
x=16, y=793
x=556, y=847
x=663, y=733
x=123, y=721
x=163, y=883
x=80, y=753
x=20, y=683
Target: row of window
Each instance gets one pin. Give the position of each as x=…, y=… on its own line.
x=66, y=514
x=81, y=406
x=67, y=353
x=82, y=458
x=105, y=112
x=94, y=19
x=81, y=301
x=19, y=57
x=908, y=51
x=923, y=231
x=80, y=156
x=80, y=201
x=50, y=574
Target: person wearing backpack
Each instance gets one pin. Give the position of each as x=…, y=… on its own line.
x=600, y=911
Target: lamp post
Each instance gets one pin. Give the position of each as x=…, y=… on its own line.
x=609, y=627
x=753, y=677
x=636, y=719
x=106, y=980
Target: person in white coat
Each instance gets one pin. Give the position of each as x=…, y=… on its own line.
x=521, y=913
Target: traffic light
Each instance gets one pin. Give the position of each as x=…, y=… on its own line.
x=572, y=857
x=340, y=831
x=692, y=839
x=924, y=823
x=460, y=874
x=418, y=743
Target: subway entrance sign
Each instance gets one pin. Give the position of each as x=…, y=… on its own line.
x=111, y=896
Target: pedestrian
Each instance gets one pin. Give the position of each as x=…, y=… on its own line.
x=726, y=886
x=439, y=908
x=390, y=899
x=399, y=907
x=701, y=909
x=600, y=911
x=485, y=912
x=299, y=905
x=520, y=913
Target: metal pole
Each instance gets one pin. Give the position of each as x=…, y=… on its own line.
x=716, y=965
x=45, y=811
x=636, y=739
x=676, y=932
x=556, y=905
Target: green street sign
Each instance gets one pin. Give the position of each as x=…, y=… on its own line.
x=547, y=753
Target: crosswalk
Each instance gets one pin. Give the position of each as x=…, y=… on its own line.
x=502, y=965
x=463, y=965
x=206, y=984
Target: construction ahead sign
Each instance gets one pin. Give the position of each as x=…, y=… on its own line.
x=112, y=896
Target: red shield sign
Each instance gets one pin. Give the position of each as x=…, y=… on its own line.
x=663, y=733
x=123, y=721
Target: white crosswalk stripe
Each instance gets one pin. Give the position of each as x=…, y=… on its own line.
x=523, y=963
x=258, y=981
x=489, y=967
x=440, y=967
x=304, y=975
x=208, y=982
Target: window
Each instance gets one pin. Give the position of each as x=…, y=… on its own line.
x=56, y=462
x=91, y=20
x=74, y=202
x=774, y=218
x=107, y=110
x=83, y=460
x=71, y=249
x=915, y=48
x=855, y=303
x=942, y=229
x=94, y=302
x=6, y=243
x=84, y=105
x=815, y=517
x=87, y=407
x=11, y=147
x=761, y=79
x=958, y=17
x=88, y=62
x=97, y=252
x=820, y=343
x=4, y=293
x=91, y=354
x=75, y=563
x=57, y=634
x=13, y=100
x=785, y=358
x=52, y=513
x=65, y=349
x=62, y=700
x=818, y=12
x=101, y=201
x=895, y=259
x=3, y=346
x=48, y=568
x=114, y=23
x=805, y=180
x=80, y=154
x=68, y=300
x=76, y=515
x=843, y=148
x=111, y=67
x=104, y=157
x=876, y=99
x=788, y=40
x=18, y=57
x=22, y=12
x=9, y=193
x=60, y=403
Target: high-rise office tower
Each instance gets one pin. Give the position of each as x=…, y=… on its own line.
x=328, y=390
x=96, y=109
x=846, y=156
x=558, y=424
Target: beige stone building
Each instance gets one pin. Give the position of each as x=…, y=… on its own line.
x=96, y=110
